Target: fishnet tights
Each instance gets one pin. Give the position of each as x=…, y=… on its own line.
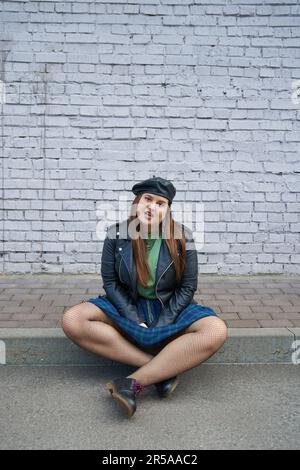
x=89, y=327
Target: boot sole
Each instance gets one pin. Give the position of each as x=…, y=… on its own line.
x=123, y=404
x=171, y=390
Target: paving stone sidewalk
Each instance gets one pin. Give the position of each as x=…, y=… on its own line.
x=262, y=301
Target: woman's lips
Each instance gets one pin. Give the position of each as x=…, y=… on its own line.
x=148, y=214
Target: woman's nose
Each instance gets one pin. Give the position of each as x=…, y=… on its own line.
x=151, y=208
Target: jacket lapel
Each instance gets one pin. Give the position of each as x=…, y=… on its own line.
x=164, y=260
x=127, y=255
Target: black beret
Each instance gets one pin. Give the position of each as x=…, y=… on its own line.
x=155, y=185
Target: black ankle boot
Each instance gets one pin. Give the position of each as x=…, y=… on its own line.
x=124, y=390
x=166, y=387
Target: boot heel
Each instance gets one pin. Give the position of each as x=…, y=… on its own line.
x=120, y=400
x=109, y=387
x=166, y=387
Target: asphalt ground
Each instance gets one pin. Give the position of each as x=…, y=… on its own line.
x=215, y=406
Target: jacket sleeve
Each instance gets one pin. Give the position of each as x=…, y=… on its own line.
x=115, y=292
x=182, y=295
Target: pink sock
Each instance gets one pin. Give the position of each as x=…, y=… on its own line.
x=138, y=387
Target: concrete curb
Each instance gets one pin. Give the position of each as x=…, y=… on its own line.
x=50, y=346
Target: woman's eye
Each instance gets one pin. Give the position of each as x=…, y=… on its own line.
x=159, y=203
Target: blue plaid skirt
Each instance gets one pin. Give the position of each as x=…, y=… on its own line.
x=150, y=309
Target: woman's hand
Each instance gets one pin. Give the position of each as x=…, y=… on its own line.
x=143, y=324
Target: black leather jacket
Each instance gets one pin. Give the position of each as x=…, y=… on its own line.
x=120, y=277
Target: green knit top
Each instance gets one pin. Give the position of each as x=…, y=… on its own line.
x=153, y=248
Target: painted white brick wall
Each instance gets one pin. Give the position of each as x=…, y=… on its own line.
x=97, y=95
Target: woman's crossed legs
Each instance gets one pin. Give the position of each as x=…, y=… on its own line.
x=89, y=327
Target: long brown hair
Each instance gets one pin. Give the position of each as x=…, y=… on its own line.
x=175, y=245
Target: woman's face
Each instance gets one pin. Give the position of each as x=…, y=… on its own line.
x=152, y=209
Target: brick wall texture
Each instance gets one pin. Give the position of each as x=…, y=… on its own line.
x=97, y=95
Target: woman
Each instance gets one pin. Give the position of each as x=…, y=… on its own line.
x=148, y=317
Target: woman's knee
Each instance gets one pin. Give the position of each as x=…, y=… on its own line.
x=213, y=333
x=74, y=319
x=71, y=321
x=221, y=333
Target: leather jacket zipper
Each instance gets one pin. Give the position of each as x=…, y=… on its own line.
x=149, y=312
x=120, y=270
x=127, y=269
x=158, y=282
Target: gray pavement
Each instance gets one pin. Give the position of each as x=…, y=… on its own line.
x=215, y=406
